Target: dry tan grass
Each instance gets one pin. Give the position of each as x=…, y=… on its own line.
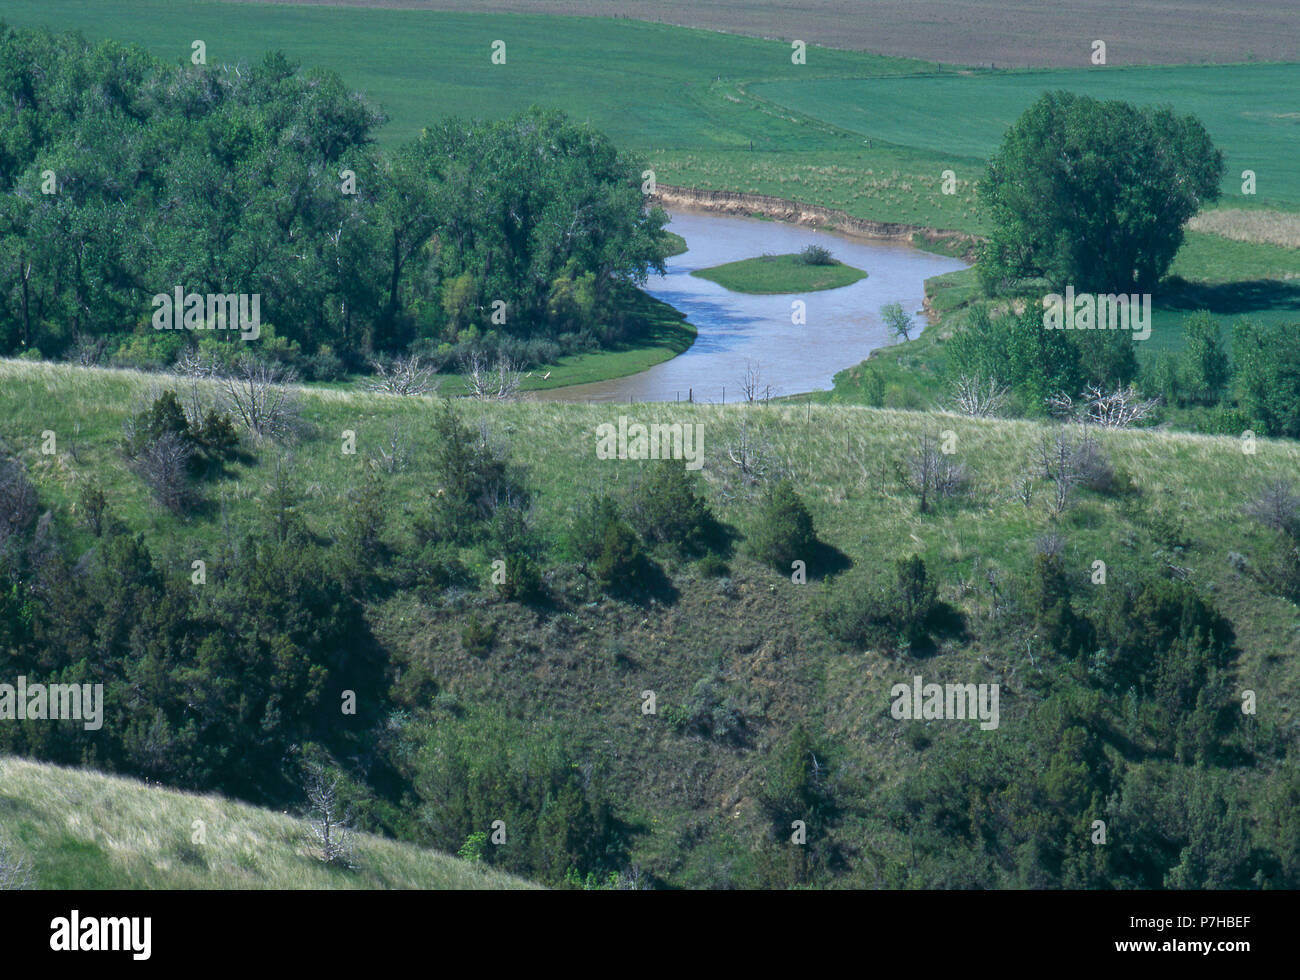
x=1268, y=227
x=131, y=835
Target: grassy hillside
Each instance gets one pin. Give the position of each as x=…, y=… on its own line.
x=840, y=454
x=81, y=829
x=744, y=639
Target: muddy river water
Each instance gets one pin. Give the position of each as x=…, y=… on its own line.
x=842, y=326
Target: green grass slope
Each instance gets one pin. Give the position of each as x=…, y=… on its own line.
x=579, y=667
x=82, y=829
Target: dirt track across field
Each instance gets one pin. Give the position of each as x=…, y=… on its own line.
x=1004, y=33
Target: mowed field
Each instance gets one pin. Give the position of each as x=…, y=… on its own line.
x=966, y=31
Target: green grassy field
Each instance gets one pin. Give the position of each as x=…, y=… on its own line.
x=780, y=274
x=846, y=130
x=83, y=830
x=647, y=85
x=1250, y=112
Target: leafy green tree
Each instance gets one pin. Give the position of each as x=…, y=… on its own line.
x=783, y=531
x=1205, y=367
x=1015, y=350
x=472, y=479
x=897, y=320
x=1268, y=376
x=1094, y=194
x=667, y=507
x=622, y=567
x=1057, y=625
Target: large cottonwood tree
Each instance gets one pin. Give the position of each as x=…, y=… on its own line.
x=1094, y=194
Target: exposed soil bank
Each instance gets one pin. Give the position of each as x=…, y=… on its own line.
x=813, y=215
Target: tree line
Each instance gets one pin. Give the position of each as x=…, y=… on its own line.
x=123, y=177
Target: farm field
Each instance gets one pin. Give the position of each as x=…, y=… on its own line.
x=1252, y=113
x=706, y=109
x=965, y=31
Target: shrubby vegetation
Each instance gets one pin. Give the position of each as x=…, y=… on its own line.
x=784, y=532
x=1220, y=383
x=123, y=177
x=1123, y=699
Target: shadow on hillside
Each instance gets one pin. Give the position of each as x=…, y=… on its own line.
x=652, y=584
x=827, y=560
x=1229, y=298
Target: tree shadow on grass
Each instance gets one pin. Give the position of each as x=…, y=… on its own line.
x=826, y=561
x=651, y=584
x=1229, y=298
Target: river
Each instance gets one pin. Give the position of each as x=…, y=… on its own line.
x=739, y=330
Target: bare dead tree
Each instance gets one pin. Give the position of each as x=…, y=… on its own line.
x=1277, y=506
x=499, y=383
x=1071, y=457
x=192, y=364
x=88, y=350
x=932, y=474
x=397, y=456
x=196, y=369
x=164, y=466
x=1024, y=489
x=1117, y=409
x=330, y=826
x=752, y=385
x=751, y=453
x=1057, y=454
x=1060, y=406
x=259, y=396
x=404, y=377
x=978, y=397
